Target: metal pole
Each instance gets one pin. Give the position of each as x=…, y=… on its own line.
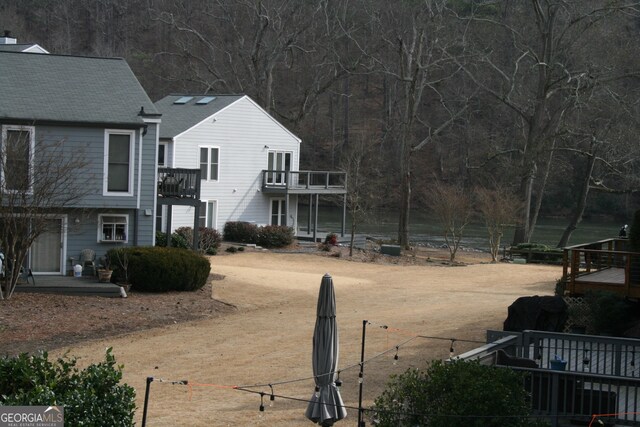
x=361, y=422
x=146, y=401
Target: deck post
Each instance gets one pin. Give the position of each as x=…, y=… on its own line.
x=309, y=213
x=169, y=220
x=344, y=214
x=315, y=220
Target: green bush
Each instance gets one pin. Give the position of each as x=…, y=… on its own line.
x=241, y=232
x=611, y=314
x=91, y=397
x=275, y=236
x=177, y=240
x=459, y=393
x=157, y=269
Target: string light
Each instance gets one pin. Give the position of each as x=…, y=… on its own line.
x=261, y=401
x=539, y=355
x=395, y=357
x=451, y=349
x=585, y=359
x=272, y=398
x=317, y=392
x=360, y=378
x=338, y=382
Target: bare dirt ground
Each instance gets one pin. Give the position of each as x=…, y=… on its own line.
x=253, y=324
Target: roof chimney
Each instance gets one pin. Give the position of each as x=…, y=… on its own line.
x=7, y=39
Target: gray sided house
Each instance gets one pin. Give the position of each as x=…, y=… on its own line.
x=93, y=110
x=233, y=143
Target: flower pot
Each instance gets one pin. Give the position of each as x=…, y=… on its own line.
x=104, y=276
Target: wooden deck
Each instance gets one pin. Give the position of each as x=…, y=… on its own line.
x=605, y=265
x=66, y=285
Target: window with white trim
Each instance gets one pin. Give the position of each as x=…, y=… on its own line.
x=208, y=214
x=113, y=228
x=118, y=163
x=16, y=172
x=209, y=163
x=162, y=154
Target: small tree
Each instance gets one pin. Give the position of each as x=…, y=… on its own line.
x=458, y=393
x=39, y=177
x=499, y=208
x=452, y=207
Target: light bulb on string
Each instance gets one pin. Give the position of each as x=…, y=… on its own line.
x=539, y=354
x=261, y=403
x=338, y=381
x=360, y=378
x=272, y=397
x=317, y=392
x=451, y=349
x=395, y=357
x=585, y=359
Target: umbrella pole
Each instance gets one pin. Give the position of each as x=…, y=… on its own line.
x=361, y=422
x=146, y=401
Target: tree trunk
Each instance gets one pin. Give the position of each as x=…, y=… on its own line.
x=405, y=206
x=522, y=227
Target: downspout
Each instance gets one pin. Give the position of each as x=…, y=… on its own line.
x=136, y=221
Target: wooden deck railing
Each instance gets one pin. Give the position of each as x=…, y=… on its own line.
x=179, y=183
x=304, y=181
x=602, y=265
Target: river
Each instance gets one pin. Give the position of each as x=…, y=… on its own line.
x=424, y=229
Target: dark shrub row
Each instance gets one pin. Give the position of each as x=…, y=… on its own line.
x=268, y=236
x=157, y=269
x=91, y=397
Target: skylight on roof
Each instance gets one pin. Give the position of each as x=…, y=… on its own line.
x=183, y=100
x=205, y=100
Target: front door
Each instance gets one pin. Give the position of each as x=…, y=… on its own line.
x=46, y=251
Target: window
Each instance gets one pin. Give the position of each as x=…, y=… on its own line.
x=208, y=214
x=17, y=156
x=162, y=155
x=278, y=161
x=209, y=162
x=119, y=163
x=278, y=214
x=113, y=228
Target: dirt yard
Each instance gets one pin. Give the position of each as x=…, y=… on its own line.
x=263, y=334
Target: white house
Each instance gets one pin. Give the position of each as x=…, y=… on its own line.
x=239, y=150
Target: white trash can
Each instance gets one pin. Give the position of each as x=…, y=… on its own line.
x=77, y=270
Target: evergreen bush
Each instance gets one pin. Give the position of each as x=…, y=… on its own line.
x=611, y=314
x=457, y=393
x=157, y=269
x=241, y=232
x=91, y=397
x=275, y=236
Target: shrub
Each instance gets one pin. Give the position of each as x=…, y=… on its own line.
x=242, y=232
x=156, y=269
x=331, y=239
x=208, y=238
x=275, y=236
x=611, y=314
x=232, y=249
x=93, y=396
x=177, y=240
x=469, y=390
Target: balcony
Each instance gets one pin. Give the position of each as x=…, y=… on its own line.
x=603, y=265
x=178, y=186
x=601, y=376
x=304, y=182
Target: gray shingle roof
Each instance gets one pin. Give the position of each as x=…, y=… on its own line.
x=176, y=118
x=63, y=88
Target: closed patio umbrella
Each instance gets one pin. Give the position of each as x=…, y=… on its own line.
x=325, y=406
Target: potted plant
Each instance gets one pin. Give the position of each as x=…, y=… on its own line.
x=105, y=271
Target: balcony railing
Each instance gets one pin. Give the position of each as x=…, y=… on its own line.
x=601, y=374
x=602, y=265
x=179, y=183
x=304, y=181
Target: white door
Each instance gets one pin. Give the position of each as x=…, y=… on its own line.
x=46, y=251
x=278, y=161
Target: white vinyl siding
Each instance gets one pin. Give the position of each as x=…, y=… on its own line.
x=119, y=161
x=241, y=133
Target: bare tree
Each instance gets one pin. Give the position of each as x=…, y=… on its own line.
x=498, y=208
x=452, y=206
x=38, y=179
x=362, y=177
